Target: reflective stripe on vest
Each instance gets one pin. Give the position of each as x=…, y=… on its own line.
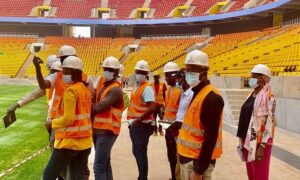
x=78, y=117
x=191, y=134
x=110, y=119
x=136, y=107
x=81, y=126
x=196, y=146
x=74, y=129
x=172, y=103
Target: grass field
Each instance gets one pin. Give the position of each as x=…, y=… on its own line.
x=24, y=137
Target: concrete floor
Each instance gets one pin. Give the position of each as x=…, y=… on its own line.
x=229, y=166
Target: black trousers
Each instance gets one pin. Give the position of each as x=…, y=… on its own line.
x=171, y=151
x=61, y=158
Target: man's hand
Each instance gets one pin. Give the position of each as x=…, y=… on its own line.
x=37, y=61
x=48, y=124
x=260, y=153
x=12, y=108
x=195, y=176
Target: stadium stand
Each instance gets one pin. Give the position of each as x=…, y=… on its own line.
x=82, y=9
x=164, y=7
x=225, y=42
x=124, y=7
x=238, y=5
x=91, y=50
x=202, y=6
x=279, y=52
x=160, y=51
x=18, y=8
x=13, y=53
x=74, y=9
x=231, y=54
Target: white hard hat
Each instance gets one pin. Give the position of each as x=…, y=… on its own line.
x=197, y=57
x=142, y=65
x=67, y=50
x=56, y=66
x=73, y=62
x=50, y=60
x=121, y=71
x=262, y=69
x=170, y=67
x=111, y=62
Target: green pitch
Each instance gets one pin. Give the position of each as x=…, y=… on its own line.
x=23, y=138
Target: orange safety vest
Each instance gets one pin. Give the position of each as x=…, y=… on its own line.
x=100, y=85
x=82, y=126
x=191, y=134
x=110, y=119
x=172, y=103
x=159, y=97
x=49, y=93
x=136, y=106
x=60, y=87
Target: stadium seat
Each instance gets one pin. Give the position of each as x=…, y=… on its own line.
x=13, y=53
x=160, y=51
x=18, y=8
x=91, y=50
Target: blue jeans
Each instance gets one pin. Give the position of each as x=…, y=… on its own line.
x=61, y=158
x=139, y=136
x=103, y=144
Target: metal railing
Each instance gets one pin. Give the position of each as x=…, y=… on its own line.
x=15, y=34
x=291, y=22
x=166, y=36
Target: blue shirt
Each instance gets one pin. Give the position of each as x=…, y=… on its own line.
x=148, y=94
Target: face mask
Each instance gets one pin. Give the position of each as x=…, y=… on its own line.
x=192, y=78
x=253, y=82
x=67, y=78
x=179, y=85
x=108, y=75
x=140, y=78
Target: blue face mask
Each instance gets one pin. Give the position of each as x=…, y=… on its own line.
x=253, y=83
x=67, y=78
x=108, y=75
x=192, y=78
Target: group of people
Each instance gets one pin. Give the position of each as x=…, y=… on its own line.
x=82, y=114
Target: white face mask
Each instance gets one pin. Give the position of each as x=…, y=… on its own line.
x=253, y=83
x=140, y=78
x=108, y=75
x=67, y=78
x=192, y=78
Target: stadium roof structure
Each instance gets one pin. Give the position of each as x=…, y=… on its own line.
x=259, y=11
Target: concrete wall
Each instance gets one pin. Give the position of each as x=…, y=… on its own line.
x=40, y=29
x=286, y=91
x=227, y=82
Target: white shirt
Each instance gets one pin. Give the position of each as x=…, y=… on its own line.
x=185, y=100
